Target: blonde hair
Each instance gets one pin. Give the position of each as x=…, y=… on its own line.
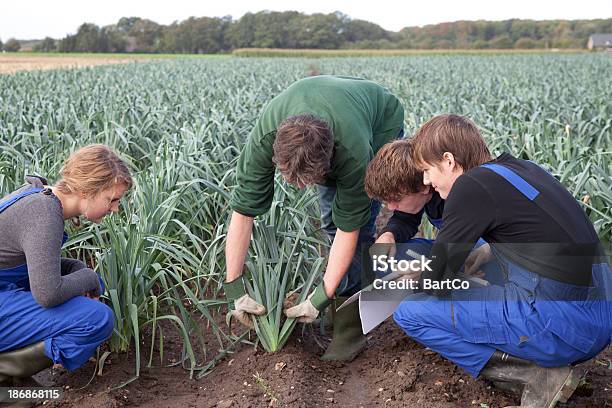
x=92, y=169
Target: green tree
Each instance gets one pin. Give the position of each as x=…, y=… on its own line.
x=480, y=44
x=241, y=34
x=501, y=42
x=67, y=44
x=291, y=29
x=360, y=30
x=265, y=29
x=277, y=30
x=46, y=45
x=88, y=38
x=1, y=45
x=444, y=44
x=524, y=29
x=12, y=45
x=208, y=34
x=320, y=31
x=196, y=36
x=169, y=42
x=525, y=43
x=145, y=35
x=117, y=41
x=125, y=24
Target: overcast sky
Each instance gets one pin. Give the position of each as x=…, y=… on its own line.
x=32, y=19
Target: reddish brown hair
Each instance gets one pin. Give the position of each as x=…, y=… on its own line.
x=303, y=149
x=454, y=134
x=392, y=174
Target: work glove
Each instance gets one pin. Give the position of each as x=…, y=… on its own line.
x=244, y=306
x=476, y=259
x=308, y=310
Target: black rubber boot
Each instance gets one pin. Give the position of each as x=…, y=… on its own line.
x=348, y=340
x=16, y=365
x=511, y=387
x=542, y=387
x=25, y=362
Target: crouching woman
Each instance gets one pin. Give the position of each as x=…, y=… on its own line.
x=49, y=306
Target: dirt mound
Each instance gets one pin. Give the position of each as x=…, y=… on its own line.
x=393, y=372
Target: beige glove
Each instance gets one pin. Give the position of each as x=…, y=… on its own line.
x=476, y=259
x=305, y=312
x=308, y=310
x=245, y=307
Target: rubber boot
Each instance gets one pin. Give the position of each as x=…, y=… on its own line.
x=324, y=321
x=542, y=387
x=348, y=340
x=511, y=387
x=23, y=363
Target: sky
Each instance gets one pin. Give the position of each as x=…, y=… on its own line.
x=30, y=19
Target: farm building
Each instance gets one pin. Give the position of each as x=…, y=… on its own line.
x=603, y=41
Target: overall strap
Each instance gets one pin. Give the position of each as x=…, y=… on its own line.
x=517, y=181
x=532, y=193
x=526, y=189
x=8, y=202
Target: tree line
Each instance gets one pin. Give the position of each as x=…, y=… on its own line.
x=291, y=29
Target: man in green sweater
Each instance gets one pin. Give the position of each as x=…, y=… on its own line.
x=321, y=130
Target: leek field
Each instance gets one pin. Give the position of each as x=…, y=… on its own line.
x=181, y=124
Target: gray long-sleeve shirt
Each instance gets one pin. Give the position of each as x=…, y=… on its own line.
x=31, y=232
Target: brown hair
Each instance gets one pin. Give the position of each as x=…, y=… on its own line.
x=303, y=149
x=392, y=174
x=92, y=169
x=454, y=134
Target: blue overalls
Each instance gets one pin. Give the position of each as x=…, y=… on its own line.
x=71, y=331
x=515, y=317
x=422, y=246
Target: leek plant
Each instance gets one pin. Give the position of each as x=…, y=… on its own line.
x=284, y=264
x=181, y=126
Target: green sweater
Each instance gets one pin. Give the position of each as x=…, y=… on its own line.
x=362, y=115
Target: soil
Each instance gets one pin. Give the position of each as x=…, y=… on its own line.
x=11, y=63
x=394, y=371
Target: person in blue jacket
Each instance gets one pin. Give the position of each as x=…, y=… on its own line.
x=49, y=305
x=553, y=309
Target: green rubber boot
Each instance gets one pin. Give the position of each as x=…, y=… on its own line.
x=324, y=321
x=23, y=363
x=348, y=340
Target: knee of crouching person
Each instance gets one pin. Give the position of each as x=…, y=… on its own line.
x=106, y=321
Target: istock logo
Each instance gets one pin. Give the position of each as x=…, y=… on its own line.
x=385, y=263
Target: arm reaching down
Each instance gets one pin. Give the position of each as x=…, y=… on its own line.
x=236, y=248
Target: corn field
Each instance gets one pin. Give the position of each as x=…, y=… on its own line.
x=181, y=124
